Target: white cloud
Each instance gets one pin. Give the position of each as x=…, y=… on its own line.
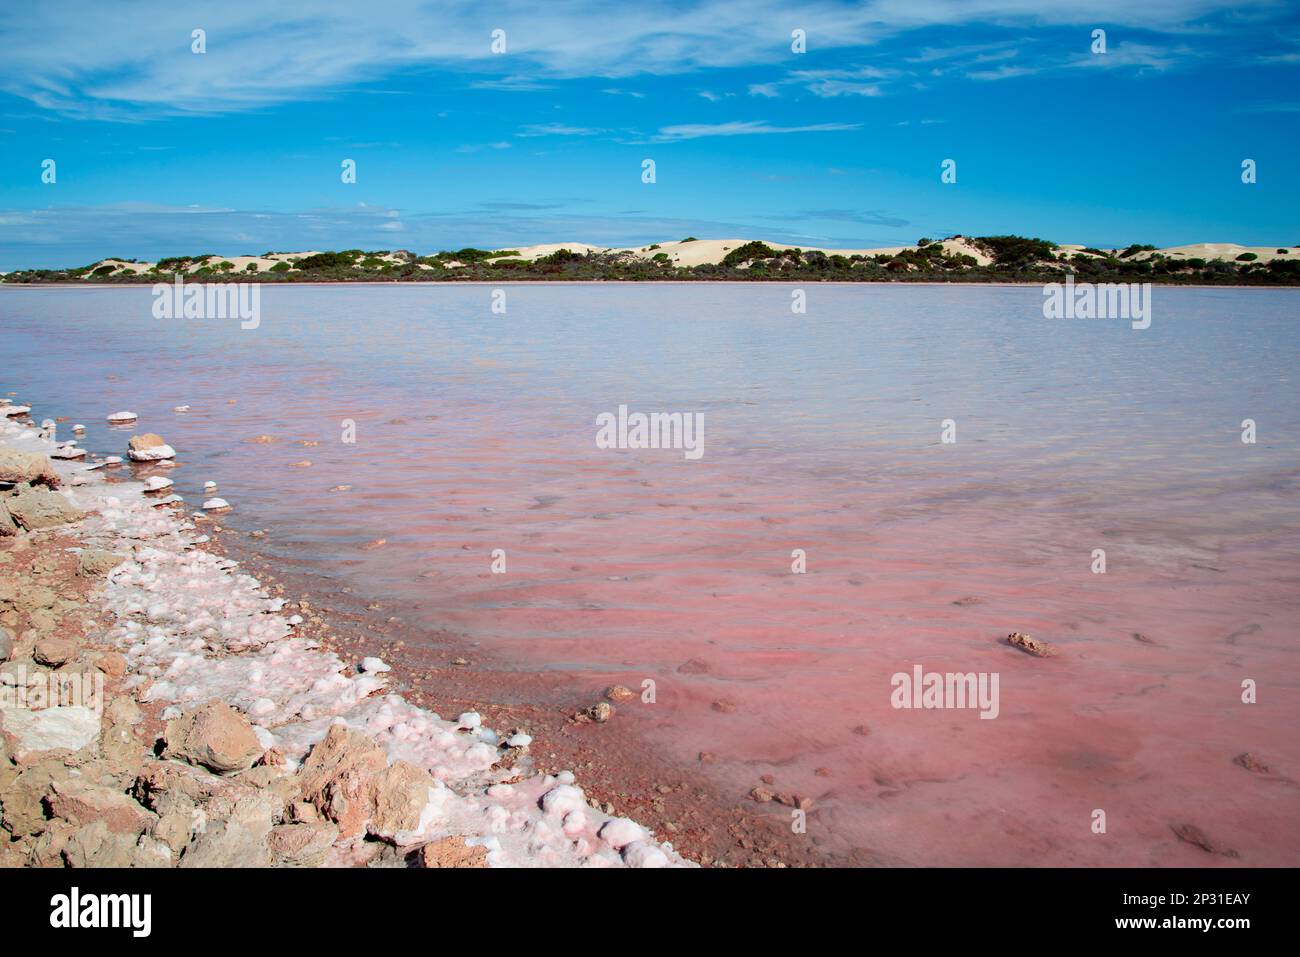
x=91, y=59
x=692, y=131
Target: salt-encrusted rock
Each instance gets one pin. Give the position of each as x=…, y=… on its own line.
x=469, y=720
x=34, y=508
x=121, y=418
x=156, y=483
x=54, y=651
x=339, y=778
x=215, y=505
x=1034, y=646
x=95, y=562
x=209, y=486
x=375, y=665
x=15, y=410
x=68, y=452
x=620, y=832
x=242, y=840
x=81, y=803
x=215, y=736
x=180, y=408
x=20, y=468
x=452, y=852
x=29, y=734
x=149, y=448
x=401, y=794
x=78, y=428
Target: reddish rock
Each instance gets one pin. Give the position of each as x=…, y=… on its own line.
x=81, y=803
x=149, y=440
x=339, y=778
x=54, y=651
x=1191, y=834
x=452, y=852
x=1251, y=763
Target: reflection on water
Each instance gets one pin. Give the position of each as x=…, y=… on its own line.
x=476, y=431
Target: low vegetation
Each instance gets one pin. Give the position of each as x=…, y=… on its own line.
x=1012, y=259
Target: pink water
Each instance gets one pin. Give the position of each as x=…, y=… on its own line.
x=475, y=432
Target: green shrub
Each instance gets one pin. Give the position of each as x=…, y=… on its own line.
x=751, y=250
x=1247, y=258
x=281, y=267
x=251, y=267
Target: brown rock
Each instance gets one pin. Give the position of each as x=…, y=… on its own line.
x=149, y=440
x=452, y=852
x=32, y=508
x=401, y=793
x=619, y=693
x=761, y=795
x=724, y=706
x=54, y=651
x=302, y=845
x=1034, y=646
x=694, y=666
x=215, y=736
x=94, y=562
x=112, y=663
x=27, y=468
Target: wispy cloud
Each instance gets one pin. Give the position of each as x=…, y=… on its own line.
x=87, y=59
x=693, y=131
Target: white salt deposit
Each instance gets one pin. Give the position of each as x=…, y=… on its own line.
x=213, y=504
x=152, y=454
x=156, y=483
x=197, y=628
x=122, y=417
x=374, y=665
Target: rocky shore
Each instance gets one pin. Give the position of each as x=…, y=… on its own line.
x=160, y=707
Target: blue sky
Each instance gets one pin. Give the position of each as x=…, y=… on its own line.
x=161, y=151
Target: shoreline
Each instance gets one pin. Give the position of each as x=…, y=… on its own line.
x=334, y=767
x=642, y=282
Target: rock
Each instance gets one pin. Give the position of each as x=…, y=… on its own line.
x=242, y=840
x=16, y=410
x=452, y=852
x=302, y=844
x=401, y=794
x=209, y=487
x=216, y=505
x=619, y=693
x=111, y=663
x=79, y=802
x=1034, y=646
x=68, y=452
x=1251, y=763
x=149, y=448
x=34, y=508
x=694, y=666
x=600, y=712
x=32, y=733
x=8, y=526
x=215, y=736
x=30, y=468
x=339, y=778
x=54, y=651
x=1191, y=834
x=374, y=666
x=761, y=795
x=95, y=563
x=723, y=706
x=156, y=483
x=121, y=418
x=6, y=644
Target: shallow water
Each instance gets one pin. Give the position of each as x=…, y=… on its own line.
x=476, y=431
